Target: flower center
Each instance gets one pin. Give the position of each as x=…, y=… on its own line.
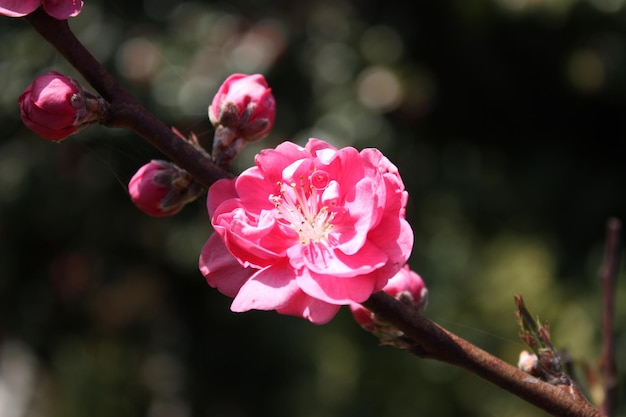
x=301, y=208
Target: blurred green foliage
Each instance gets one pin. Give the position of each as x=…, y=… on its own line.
x=505, y=118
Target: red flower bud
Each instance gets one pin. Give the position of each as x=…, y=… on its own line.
x=62, y=9
x=406, y=286
x=160, y=188
x=59, y=9
x=18, y=8
x=242, y=111
x=529, y=363
x=244, y=103
x=55, y=106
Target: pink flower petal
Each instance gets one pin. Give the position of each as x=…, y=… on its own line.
x=219, y=192
x=284, y=154
x=254, y=190
x=333, y=290
x=395, y=237
x=221, y=269
x=297, y=173
x=364, y=211
x=243, y=239
x=268, y=289
x=321, y=259
x=313, y=145
x=305, y=306
x=344, y=165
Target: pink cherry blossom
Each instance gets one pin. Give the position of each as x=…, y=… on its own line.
x=59, y=9
x=406, y=286
x=306, y=230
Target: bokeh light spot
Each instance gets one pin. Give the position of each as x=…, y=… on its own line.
x=257, y=49
x=335, y=63
x=586, y=71
x=138, y=59
x=608, y=6
x=379, y=89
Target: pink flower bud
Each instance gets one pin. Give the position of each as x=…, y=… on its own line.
x=59, y=9
x=18, y=8
x=529, y=363
x=55, y=106
x=406, y=286
x=62, y=9
x=242, y=111
x=160, y=188
x=244, y=103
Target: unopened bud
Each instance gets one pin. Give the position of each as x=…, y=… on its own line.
x=55, y=106
x=407, y=287
x=59, y=9
x=243, y=110
x=160, y=188
x=529, y=363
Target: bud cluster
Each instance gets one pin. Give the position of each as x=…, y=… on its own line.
x=56, y=106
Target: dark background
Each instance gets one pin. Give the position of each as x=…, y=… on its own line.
x=505, y=118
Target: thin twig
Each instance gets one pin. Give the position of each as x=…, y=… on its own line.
x=435, y=342
x=608, y=273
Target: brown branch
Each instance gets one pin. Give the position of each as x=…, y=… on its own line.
x=608, y=273
x=435, y=342
x=125, y=111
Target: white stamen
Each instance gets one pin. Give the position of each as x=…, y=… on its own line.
x=301, y=209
